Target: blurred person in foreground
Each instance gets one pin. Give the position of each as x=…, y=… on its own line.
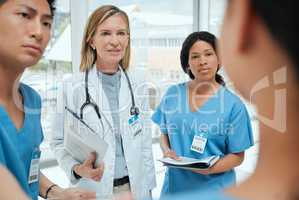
x=11, y=189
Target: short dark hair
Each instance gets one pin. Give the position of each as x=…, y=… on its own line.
x=50, y=2
x=52, y=6
x=188, y=43
x=281, y=19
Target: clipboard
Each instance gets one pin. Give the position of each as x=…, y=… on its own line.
x=79, y=144
x=190, y=163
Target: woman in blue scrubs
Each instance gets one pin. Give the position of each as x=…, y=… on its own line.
x=24, y=35
x=260, y=50
x=202, y=118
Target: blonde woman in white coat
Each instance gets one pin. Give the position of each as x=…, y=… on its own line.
x=128, y=163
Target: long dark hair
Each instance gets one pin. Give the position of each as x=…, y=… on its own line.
x=188, y=43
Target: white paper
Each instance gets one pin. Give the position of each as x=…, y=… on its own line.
x=81, y=145
x=185, y=162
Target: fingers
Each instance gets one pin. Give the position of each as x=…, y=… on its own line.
x=89, y=170
x=177, y=158
x=97, y=171
x=123, y=196
x=87, y=194
x=97, y=177
x=96, y=174
x=90, y=160
x=171, y=154
x=77, y=194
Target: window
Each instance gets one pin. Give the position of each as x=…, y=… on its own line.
x=216, y=14
x=157, y=32
x=50, y=71
x=158, y=29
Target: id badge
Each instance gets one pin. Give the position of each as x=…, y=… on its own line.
x=135, y=125
x=34, y=166
x=199, y=144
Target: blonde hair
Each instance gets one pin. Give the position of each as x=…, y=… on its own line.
x=88, y=55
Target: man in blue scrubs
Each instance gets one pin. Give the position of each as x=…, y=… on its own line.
x=24, y=35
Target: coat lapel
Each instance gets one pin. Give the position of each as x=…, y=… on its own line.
x=99, y=97
x=125, y=101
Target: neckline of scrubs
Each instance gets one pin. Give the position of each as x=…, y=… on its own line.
x=204, y=104
x=6, y=116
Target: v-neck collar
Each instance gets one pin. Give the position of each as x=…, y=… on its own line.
x=204, y=103
x=7, y=122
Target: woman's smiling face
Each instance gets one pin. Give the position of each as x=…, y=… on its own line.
x=111, y=40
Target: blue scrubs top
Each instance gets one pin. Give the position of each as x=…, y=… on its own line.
x=17, y=147
x=222, y=119
x=205, y=195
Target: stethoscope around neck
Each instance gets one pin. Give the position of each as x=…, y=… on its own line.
x=134, y=110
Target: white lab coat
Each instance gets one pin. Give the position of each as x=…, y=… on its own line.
x=137, y=150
